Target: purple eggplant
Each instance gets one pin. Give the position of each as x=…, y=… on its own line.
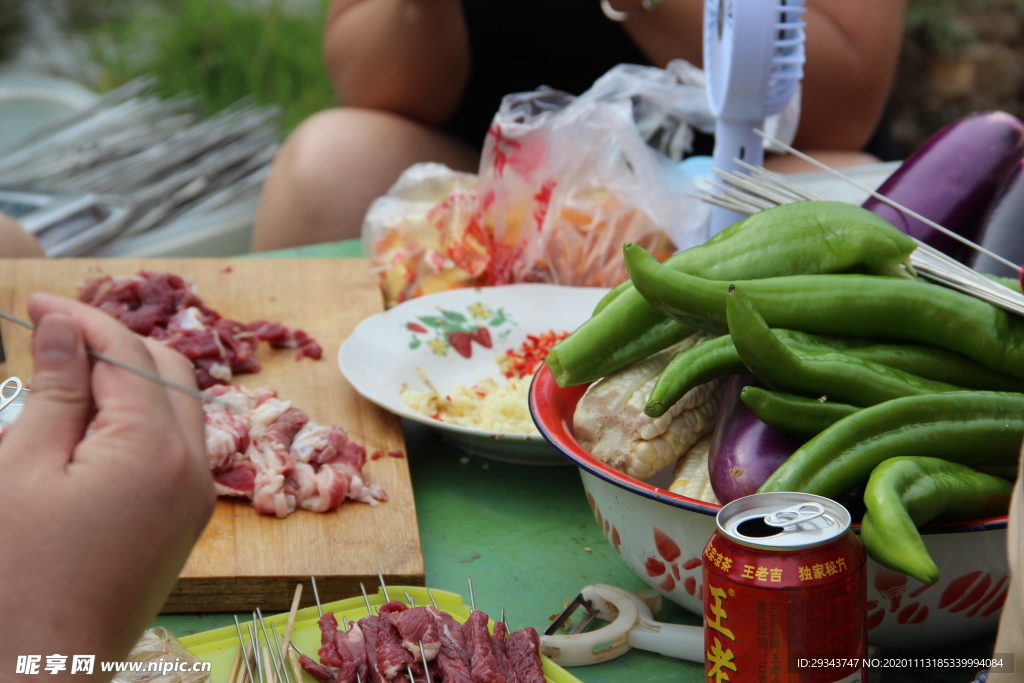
x=1002, y=231
x=744, y=451
x=952, y=178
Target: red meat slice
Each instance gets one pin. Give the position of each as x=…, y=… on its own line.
x=418, y=629
x=370, y=627
x=328, y=652
x=523, y=648
x=392, y=658
x=318, y=672
x=498, y=645
x=352, y=642
x=485, y=665
x=166, y=308
x=236, y=481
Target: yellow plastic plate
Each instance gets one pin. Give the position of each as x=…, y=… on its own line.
x=220, y=645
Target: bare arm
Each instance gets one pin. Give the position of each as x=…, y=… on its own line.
x=409, y=57
x=852, y=51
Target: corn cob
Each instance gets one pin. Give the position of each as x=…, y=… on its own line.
x=691, y=477
x=610, y=421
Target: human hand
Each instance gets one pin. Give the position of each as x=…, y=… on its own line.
x=96, y=526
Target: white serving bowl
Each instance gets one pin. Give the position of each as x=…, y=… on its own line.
x=662, y=535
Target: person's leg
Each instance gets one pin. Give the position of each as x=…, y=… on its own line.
x=334, y=165
x=16, y=241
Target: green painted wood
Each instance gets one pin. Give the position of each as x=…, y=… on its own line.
x=529, y=541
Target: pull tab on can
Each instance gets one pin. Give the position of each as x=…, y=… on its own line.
x=792, y=517
x=783, y=520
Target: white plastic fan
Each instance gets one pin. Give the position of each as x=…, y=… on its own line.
x=753, y=62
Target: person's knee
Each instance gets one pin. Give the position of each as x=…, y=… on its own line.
x=336, y=148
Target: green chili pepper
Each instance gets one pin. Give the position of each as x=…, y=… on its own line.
x=973, y=427
x=611, y=296
x=806, y=237
x=856, y=305
x=718, y=358
x=845, y=378
x=798, y=416
x=922, y=360
x=708, y=360
x=904, y=493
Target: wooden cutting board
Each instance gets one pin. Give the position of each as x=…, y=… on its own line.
x=245, y=560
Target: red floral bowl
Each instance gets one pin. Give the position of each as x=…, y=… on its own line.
x=661, y=535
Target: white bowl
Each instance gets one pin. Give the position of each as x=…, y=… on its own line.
x=661, y=536
x=381, y=357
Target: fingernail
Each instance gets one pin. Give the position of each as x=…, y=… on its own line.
x=56, y=338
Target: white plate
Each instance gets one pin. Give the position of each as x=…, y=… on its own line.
x=381, y=357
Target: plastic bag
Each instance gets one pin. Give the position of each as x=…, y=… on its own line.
x=171, y=661
x=423, y=235
x=564, y=181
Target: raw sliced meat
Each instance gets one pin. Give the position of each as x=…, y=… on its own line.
x=418, y=630
x=523, y=649
x=485, y=667
x=266, y=450
x=377, y=649
x=165, y=307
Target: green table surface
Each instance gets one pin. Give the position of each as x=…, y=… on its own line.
x=527, y=538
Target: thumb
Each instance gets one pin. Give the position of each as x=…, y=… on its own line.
x=60, y=399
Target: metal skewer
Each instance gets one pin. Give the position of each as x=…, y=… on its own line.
x=248, y=668
x=256, y=649
x=472, y=599
x=886, y=200
x=316, y=596
x=925, y=260
x=380, y=577
x=181, y=388
x=280, y=655
x=273, y=657
x=366, y=599
x=433, y=602
x=423, y=657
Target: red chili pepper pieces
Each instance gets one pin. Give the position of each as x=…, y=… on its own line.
x=523, y=362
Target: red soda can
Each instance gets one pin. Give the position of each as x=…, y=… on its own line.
x=785, y=592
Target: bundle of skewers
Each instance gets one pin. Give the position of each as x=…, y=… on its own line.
x=150, y=162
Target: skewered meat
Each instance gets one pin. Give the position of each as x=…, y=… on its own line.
x=485, y=665
x=452, y=659
x=165, y=307
x=264, y=449
x=418, y=630
x=523, y=648
x=390, y=640
x=392, y=658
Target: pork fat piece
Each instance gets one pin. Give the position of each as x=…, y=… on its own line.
x=268, y=451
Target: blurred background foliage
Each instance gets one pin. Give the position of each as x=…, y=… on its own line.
x=958, y=56
x=220, y=50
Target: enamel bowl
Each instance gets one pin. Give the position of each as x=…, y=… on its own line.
x=661, y=535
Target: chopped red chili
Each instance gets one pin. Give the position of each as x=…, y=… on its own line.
x=523, y=362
